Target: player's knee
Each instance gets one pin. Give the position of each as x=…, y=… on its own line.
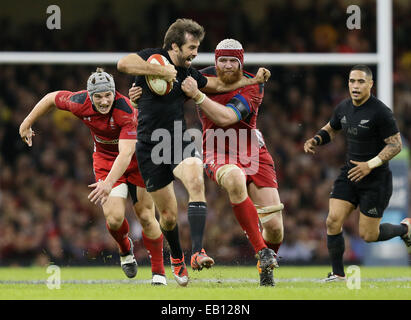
x=114, y=221
x=193, y=176
x=195, y=184
x=333, y=224
x=168, y=219
x=234, y=182
x=146, y=217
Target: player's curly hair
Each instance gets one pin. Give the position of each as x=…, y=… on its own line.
x=176, y=33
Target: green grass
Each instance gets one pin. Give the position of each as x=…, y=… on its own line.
x=218, y=283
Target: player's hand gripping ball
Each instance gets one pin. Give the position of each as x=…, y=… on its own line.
x=157, y=84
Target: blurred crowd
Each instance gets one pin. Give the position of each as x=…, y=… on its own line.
x=45, y=215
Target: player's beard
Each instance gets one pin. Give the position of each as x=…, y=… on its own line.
x=184, y=61
x=229, y=77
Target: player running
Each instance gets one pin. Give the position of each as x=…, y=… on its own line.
x=373, y=139
x=242, y=165
x=162, y=114
x=112, y=122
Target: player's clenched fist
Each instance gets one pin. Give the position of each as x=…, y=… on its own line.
x=263, y=75
x=189, y=86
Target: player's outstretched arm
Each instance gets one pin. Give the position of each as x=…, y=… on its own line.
x=46, y=104
x=325, y=135
x=215, y=85
x=102, y=189
x=135, y=65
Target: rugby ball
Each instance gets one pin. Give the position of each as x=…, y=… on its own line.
x=156, y=84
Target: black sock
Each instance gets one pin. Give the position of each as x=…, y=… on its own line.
x=197, y=213
x=389, y=231
x=336, y=247
x=173, y=241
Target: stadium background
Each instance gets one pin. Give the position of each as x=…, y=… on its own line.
x=45, y=215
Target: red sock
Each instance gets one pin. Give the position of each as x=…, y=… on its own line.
x=121, y=236
x=154, y=248
x=247, y=216
x=274, y=246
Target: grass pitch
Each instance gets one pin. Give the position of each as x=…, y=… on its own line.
x=217, y=283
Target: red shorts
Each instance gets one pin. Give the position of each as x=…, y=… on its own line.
x=264, y=177
x=102, y=167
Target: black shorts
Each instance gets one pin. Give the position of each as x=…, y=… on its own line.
x=157, y=161
x=372, y=194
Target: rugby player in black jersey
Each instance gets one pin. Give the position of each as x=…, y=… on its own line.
x=160, y=116
x=365, y=180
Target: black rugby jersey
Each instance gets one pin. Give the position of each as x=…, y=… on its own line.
x=365, y=128
x=155, y=112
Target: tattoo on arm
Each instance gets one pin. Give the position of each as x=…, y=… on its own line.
x=392, y=148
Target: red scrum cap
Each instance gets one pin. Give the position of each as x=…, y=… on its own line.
x=230, y=48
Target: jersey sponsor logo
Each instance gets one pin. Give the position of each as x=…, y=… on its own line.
x=112, y=124
x=373, y=212
x=149, y=184
x=362, y=122
x=352, y=131
x=343, y=120
x=115, y=141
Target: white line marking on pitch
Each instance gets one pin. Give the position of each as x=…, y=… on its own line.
x=235, y=280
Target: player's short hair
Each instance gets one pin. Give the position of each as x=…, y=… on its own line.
x=363, y=68
x=176, y=33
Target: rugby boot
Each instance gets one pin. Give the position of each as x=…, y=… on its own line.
x=407, y=237
x=334, y=278
x=158, y=280
x=266, y=276
x=200, y=260
x=128, y=261
x=179, y=269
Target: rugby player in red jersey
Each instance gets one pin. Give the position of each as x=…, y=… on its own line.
x=242, y=164
x=113, y=125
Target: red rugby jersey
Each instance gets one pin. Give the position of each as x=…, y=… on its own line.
x=252, y=97
x=106, y=129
